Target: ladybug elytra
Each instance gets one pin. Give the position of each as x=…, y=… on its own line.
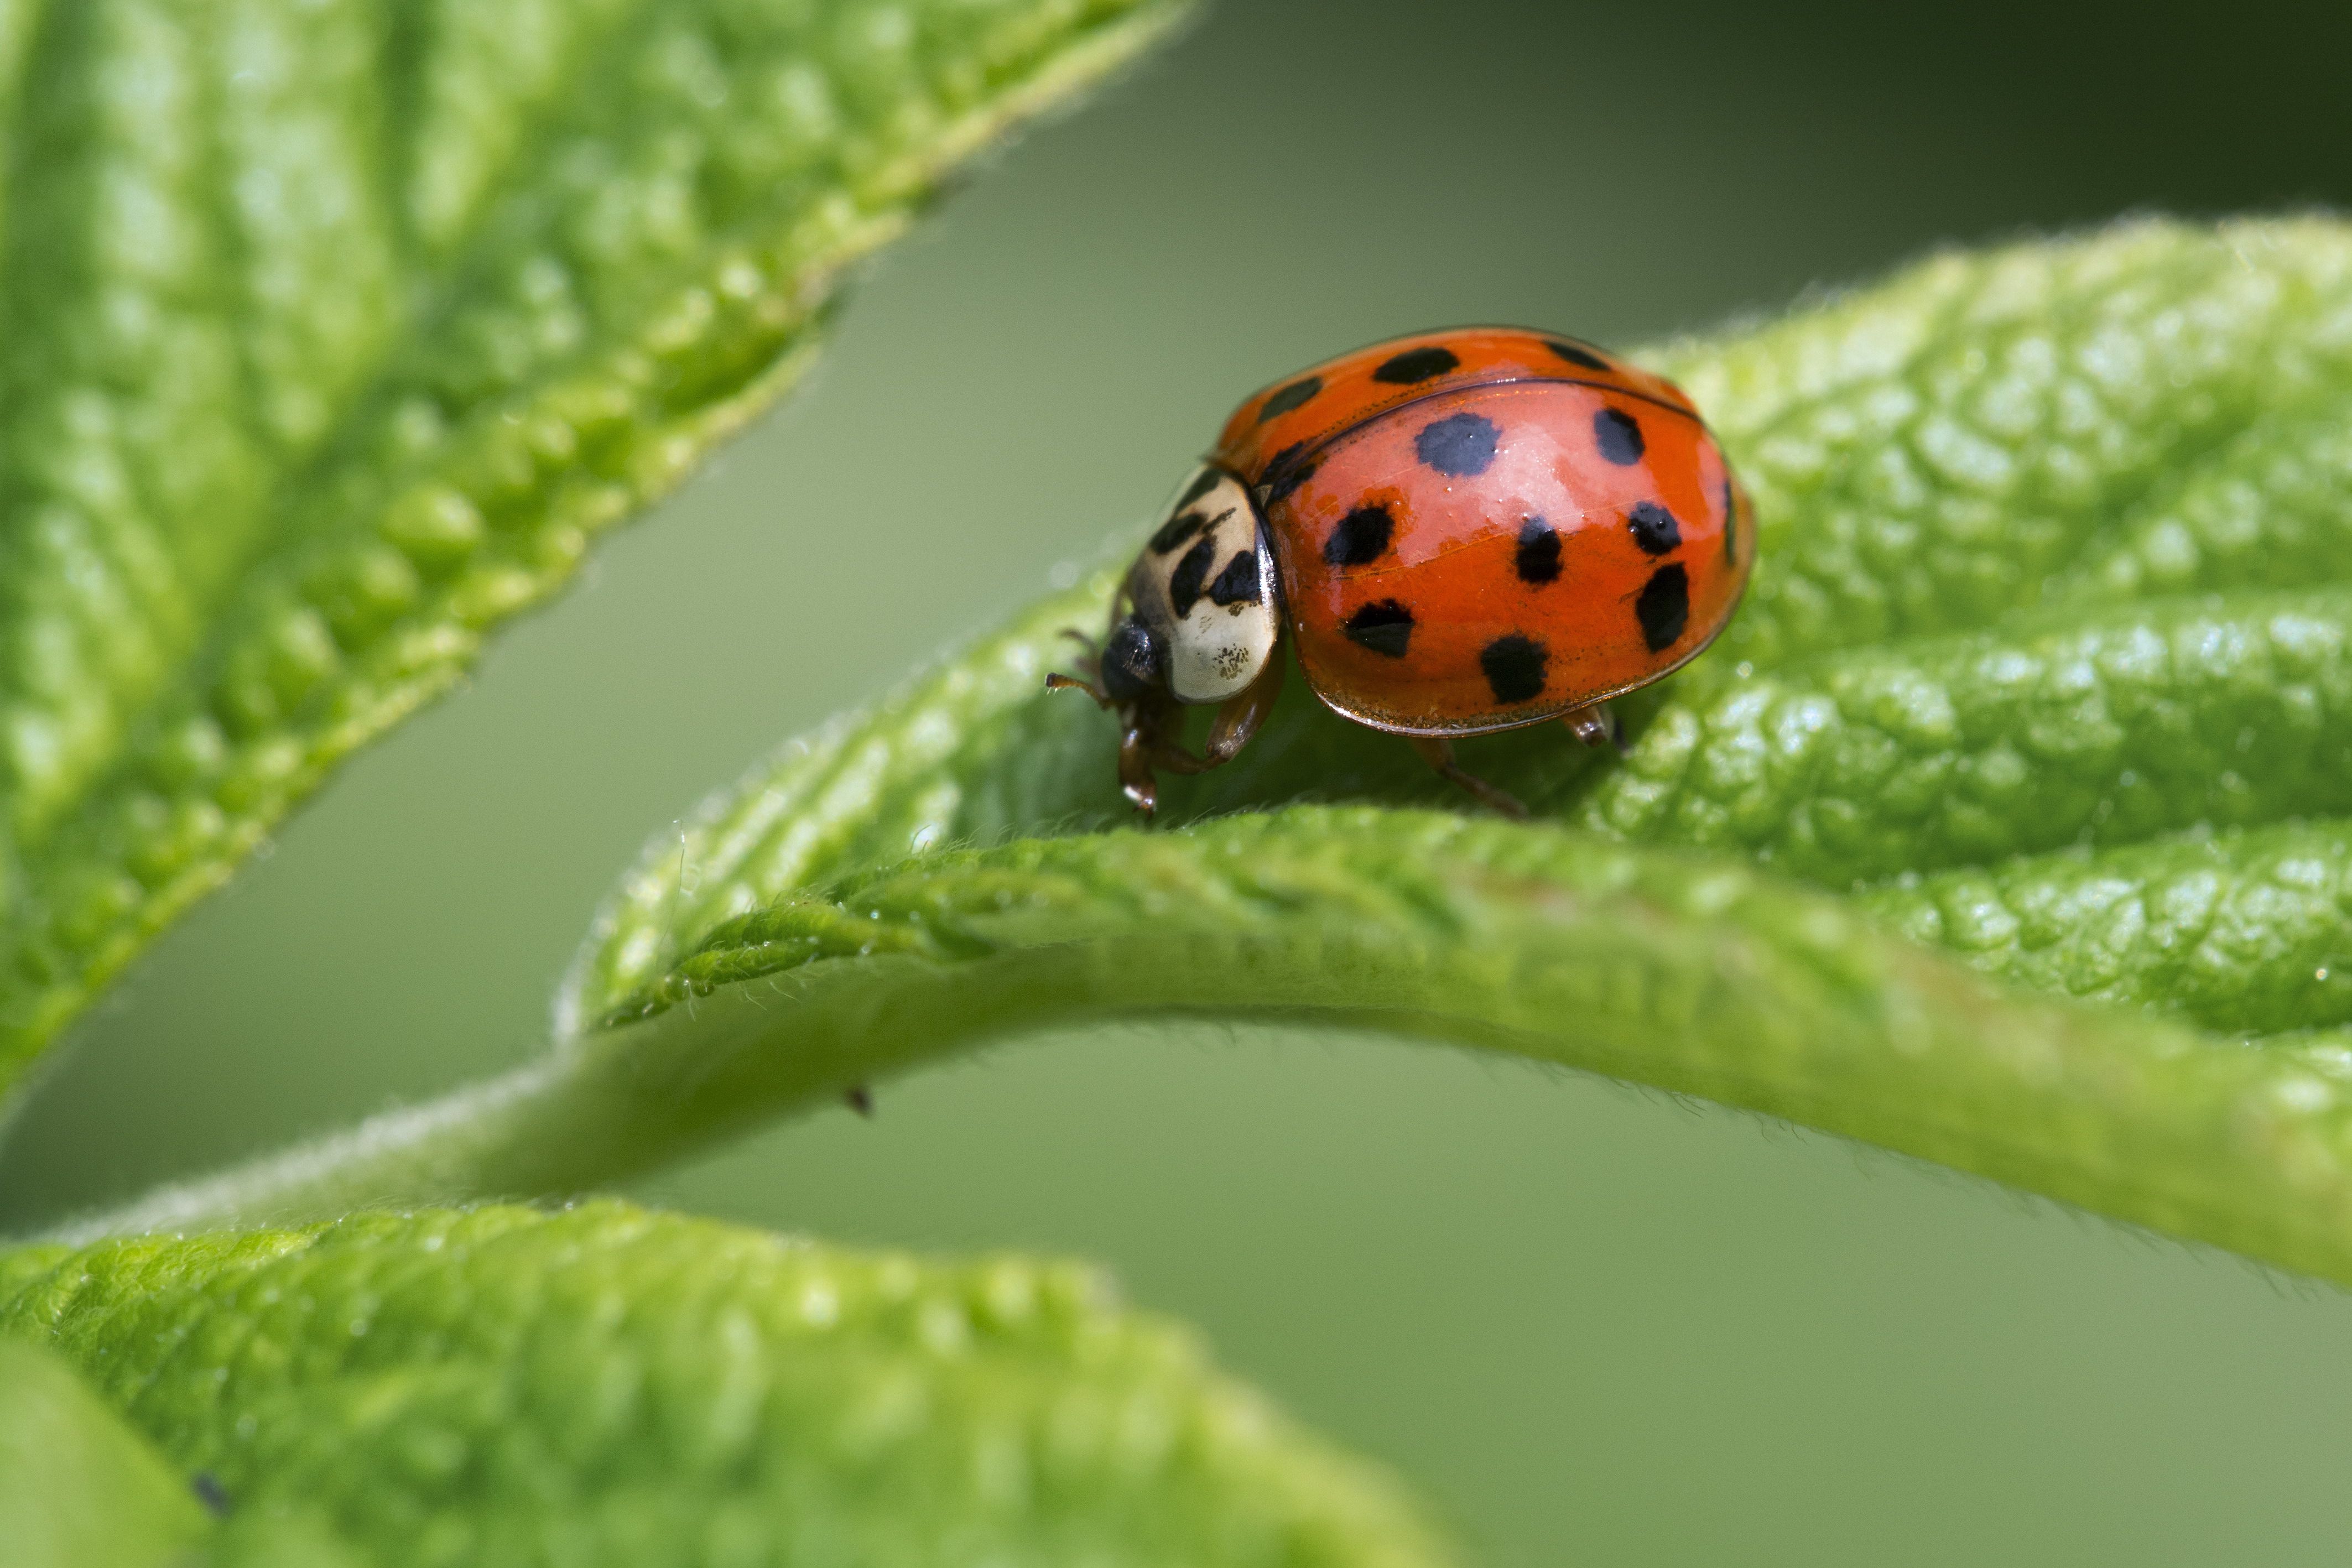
x=1459, y=533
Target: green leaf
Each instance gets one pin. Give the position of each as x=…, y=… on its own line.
x=2020, y=675
x=81, y=1488
x=1955, y=473
x=78, y=1489
x=606, y=1384
x=2249, y=933
x=334, y=333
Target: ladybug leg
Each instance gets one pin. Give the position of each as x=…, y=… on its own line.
x=1438, y=752
x=1144, y=748
x=1135, y=777
x=1241, y=716
x=1596, y=726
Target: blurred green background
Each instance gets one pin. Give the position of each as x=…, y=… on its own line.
x=1588, y=1322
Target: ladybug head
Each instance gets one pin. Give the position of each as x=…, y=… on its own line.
x=1134, y=664
x=1196, y=621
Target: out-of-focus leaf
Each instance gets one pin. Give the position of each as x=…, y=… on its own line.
x=78, y=1488
x=608, y=1385
x=332, y=333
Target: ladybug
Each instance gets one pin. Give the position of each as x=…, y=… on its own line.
x=1459, y=533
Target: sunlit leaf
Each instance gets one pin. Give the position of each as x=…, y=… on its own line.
x=78, y=1488
x=607, y=1385
x=2048, y=661
x=332, y=333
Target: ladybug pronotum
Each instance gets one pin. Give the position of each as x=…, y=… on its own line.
x=1459, y=533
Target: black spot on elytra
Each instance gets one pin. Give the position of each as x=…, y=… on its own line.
x=1577, y=354
x=1360, y=538
x=1459, y=445
x=1285, y=472
x=1295, y=396
x=1515, y=664
x=1238, y=584
x=1130, y=662
x=1203, y=483
x=210, y=1492
x=1730, y=520
x=1385, y=628
x=1538, y=557
x=1416, y=365
x=1191, y=576
x=1619, y=438
x=1664, y=608
x=1654, y=528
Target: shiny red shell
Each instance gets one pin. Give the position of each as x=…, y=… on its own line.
x=1486, y=528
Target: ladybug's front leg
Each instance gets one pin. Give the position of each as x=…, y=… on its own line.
x=1438, y=752
x=1241, y=716
x=1137, y=750
x=1147, y=744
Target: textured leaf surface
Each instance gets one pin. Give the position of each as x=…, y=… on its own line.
x=609, y=1385
x=1996, y=496
x=333, y=332
x=2048, y=663
x=2021, y=677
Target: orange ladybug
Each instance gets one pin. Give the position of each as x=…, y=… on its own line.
x=1460, y=532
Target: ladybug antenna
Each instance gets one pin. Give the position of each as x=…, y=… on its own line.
x=1058, y=680
x=1093, y=688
